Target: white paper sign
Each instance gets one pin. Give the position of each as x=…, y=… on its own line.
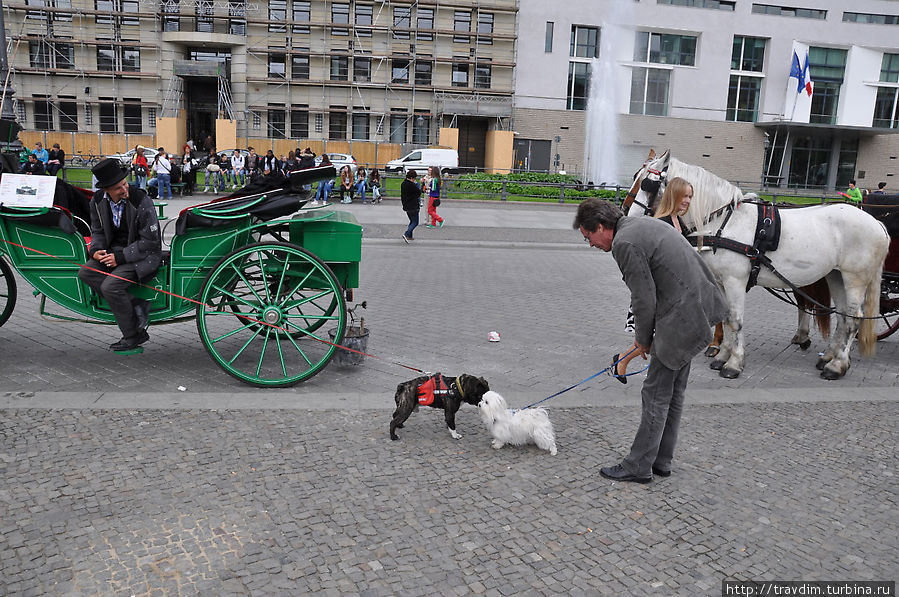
x=27, y=190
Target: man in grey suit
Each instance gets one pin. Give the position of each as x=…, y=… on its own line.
x=675, y=300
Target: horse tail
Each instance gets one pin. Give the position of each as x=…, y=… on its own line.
x=867, y=335
x=820, y=291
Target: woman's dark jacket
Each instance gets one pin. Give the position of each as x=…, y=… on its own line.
x=409, y=194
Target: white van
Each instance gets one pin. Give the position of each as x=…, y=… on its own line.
x=420, y=159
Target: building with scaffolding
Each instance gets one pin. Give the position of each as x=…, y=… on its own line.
x=711, y=80
x=373, y=78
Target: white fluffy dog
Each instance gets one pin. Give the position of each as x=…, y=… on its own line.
x=519, y=427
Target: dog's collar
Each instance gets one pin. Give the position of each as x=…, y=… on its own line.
x=458, y=386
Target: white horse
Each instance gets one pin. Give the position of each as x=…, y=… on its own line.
x=838, y=242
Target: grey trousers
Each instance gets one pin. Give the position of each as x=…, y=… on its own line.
x=115, y=291
x=663, y=403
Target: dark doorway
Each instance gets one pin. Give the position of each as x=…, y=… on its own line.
x=201, y=99
x=532, y=155
x=472, y=142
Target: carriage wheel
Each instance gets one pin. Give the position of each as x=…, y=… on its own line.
x=7, y=291
x=889, y=307
x=261, y=307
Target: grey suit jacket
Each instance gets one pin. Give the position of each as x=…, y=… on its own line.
x=674, y=296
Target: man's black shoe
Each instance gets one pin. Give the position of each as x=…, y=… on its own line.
x=616, y=473
x=142, y=310
x=131, y=343
x=660, y=472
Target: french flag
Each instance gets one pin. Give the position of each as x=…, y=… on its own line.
x=806, y=79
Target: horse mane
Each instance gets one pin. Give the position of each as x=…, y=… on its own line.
x=710, y=192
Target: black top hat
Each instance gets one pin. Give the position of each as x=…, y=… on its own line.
x=108, y=172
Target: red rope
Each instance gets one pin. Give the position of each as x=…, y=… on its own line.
x=240, y=315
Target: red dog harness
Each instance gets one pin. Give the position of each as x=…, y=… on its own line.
x=435, y=386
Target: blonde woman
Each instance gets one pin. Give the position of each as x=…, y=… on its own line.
x=675, y=203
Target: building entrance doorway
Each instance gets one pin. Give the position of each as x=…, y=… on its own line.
x=472, y=142
x=201, y=99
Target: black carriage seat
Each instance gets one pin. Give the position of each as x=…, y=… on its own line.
x=884, y=208
x=270, y=197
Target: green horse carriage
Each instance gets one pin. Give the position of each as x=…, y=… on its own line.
x=266, y=280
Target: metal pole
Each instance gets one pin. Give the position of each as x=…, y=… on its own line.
x=10, y=128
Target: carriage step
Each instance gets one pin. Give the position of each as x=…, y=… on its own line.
x=136, y=350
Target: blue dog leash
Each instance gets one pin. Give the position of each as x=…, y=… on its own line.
x=583, y=381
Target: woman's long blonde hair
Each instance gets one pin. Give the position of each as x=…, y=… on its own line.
x=674, y=192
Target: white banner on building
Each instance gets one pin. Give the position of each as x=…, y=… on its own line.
x=798, y=101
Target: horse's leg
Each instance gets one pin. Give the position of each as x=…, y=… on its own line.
x=852, y=297
x=730, y=360
x=801, y=337
x=714, y=347
x=838, y=294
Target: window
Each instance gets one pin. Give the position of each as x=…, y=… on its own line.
x=425, y=24
x=719, y=4
x=462, y=22
x=37, y=54
x=88, y=116
x=109, y=116
x=402, y=18
x=748, y=54
x=68, y=114
x=205, y=24
x=578, y=84
x=789, y=11
x=421, y=129
x=649, y=91
x=423, y=72
x=299, y=66
x=340, y=67
x=319, y=122
x=171, y=7
x=886, y=108
x=43, y=114
x=130, y=59
x=889, y=68
x=132, y=117
x=277, y=123
x=362, y=69
x=363, y=20
x=302, y=13
x=398, y=128
x=63, y=56
x=237, y=17
x=482, y=75
x=360, y=124
x=151, y=117
x=277, y=14
x=340, y=15
x=460, y=74
x=826, y=68
x=337, y=123
x=399, y=70
x=299, y=123
x=743, y=98
x=663, y=48
x=107, y=6
x=277, y=66
x=485, y=28
x=106, y=57
x=860, y=17
x=584, y=42
x=128, y=7
x=548, y=40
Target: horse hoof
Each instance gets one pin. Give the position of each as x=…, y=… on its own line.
x=820, y=364
x=729, y=373
x=716, y=365
x=830, y=375
x=805, y=345
x=712, y=351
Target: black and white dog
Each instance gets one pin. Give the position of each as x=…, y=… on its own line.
x=436, y=391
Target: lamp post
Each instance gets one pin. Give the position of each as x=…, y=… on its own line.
x=765, y=162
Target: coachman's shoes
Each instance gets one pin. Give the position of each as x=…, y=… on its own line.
x=132, y=342
x=617, y=473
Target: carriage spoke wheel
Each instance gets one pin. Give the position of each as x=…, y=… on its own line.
x=889, y=306
x=262, y=307
x=7, y=291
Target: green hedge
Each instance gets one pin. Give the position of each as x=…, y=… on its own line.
x=482, y=182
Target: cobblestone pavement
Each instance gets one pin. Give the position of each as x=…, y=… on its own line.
x=116, y=483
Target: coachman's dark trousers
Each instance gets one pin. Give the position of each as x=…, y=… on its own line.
x=115, y=291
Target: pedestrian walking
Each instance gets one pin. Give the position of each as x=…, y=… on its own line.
x=140, y=167
x=433, y=189
x=410, y=195
x=163, y=168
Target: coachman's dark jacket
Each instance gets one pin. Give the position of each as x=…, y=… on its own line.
x=144, y=245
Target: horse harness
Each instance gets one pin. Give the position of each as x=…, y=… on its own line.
x=767, y=238
x=436, y=386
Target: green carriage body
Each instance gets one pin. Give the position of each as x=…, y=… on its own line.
x=277, y=281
